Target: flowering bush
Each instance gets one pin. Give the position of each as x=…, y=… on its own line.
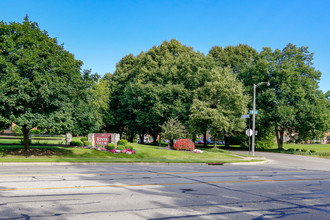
x=184, y=144
x=128, y=151
x=197, y=151
x=113, y=151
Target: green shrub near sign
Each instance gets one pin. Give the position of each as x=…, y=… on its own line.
x=122, y=142
x=76, y=143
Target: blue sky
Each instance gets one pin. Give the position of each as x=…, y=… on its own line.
x=101, y=32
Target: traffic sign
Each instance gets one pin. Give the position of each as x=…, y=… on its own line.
x=245, y=116
x=249, y=132
x=251, y=112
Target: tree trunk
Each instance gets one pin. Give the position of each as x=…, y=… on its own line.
x=215, y=142
x=279, y=139
x=141, y=136
x=226, y=141
x=131, y=137
x=205, y=144
x=26, y=137
x=171, y=143
x=154, y=137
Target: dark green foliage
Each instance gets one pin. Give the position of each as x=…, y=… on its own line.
x=312, y=151
x=87, y=143
x=303, y=150
x=297, y=149
x=122, y=142
x=40, y=82
x=291, y=149
x=111, y=146
x=149, y=89
x=83, y=139
x=76, y=143
x=293, y=102
x=35, y=132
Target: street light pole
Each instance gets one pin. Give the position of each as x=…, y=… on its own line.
x=254, y=113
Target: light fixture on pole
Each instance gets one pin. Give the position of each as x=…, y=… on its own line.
x=254, y=113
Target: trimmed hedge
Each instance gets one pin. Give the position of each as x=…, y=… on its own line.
x=184, y=144
x=76, y=143
x=122, y=142
x=121, y=147
x=83, y=139
x=111, y=146
x=87, y=143
x=129, y=147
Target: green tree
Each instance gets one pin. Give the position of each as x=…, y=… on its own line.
x=99, y=100
x=219, y=105
x=238, y=58
x=173, y=129
x=40, y=82
x=149, y=89
x=293, y=103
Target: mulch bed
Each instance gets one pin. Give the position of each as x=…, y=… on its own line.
x=33, y=152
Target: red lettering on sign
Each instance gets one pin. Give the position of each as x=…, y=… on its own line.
x=102, y=139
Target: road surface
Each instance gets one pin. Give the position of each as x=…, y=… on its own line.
x=111, y=191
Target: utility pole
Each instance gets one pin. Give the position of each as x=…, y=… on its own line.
x=254, y=113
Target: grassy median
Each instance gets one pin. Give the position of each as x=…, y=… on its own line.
x=144, y=153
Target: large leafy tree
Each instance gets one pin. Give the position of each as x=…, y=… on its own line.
x=219, y=104
x=157, y=85
x=40, y=82
x=238, y=58
x=293, y=103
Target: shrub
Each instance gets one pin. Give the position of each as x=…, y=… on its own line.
x=312, y=151
x=130, y=147
x=87, y=143
x=35, y=131
x=297, y=149
x=83, y=139
x=184, y=144
x=76, y=143
x=121, y=147
x=111, y=146
x=291, y=149
x=122, y=142
x=303, y=150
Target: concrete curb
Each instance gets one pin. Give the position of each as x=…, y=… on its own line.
x=130, y=163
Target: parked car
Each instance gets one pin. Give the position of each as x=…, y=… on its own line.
x=199, y=142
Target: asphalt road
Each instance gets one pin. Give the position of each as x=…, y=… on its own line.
x=108, y=191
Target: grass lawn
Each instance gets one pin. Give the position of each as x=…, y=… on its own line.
x=322, y=150
x=38, y=140
x=144, y=153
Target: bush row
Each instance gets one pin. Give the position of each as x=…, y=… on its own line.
x=301, y=150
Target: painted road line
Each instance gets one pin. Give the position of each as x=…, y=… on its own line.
x=148, y=173
x=163, y=184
